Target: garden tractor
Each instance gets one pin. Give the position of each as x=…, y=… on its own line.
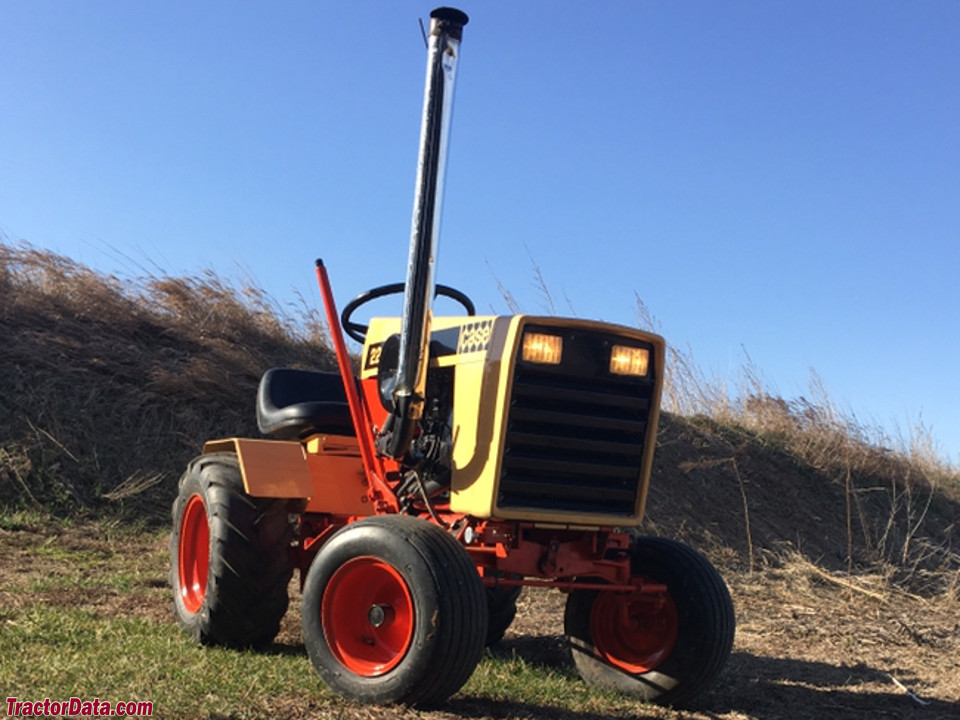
x=466, y=458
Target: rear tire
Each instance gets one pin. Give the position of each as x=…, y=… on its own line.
x=230, y=556
x=501, y=610
x=394, y=611
x=666, y=652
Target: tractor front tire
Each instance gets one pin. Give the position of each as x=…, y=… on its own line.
x=394, y=611
x=665, y=650
x=230, y=556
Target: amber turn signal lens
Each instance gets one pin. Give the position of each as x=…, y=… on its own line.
x=629, y=360
x=542, y=348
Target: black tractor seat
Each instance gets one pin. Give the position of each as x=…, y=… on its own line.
x=292, y=404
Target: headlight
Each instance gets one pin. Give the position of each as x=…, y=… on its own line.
x=542, y=348
x=626, y=360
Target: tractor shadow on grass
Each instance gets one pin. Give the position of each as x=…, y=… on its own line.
x=753, y=686
x=284, y=649
x=770, y=688
x=487, y=709
x=549, y=651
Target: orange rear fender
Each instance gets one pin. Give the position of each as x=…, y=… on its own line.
x=325, y=470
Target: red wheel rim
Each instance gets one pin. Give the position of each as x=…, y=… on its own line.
x=367, y=615
x=633, y=632
x=194, y=554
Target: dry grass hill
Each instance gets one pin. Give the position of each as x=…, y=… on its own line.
x=108, y=387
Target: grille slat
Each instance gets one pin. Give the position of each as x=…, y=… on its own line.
x=600, y=399
x=573, y=444
x=547, y=466
x=571, y=492
x=575, y=433
x=519, y=413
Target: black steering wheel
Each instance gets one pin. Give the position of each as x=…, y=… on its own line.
x=358, y=332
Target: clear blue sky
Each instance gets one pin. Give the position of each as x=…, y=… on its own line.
x=782, y=177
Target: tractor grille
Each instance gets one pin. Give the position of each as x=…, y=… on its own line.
x=575, y=432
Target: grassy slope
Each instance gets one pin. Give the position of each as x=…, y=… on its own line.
x=107, y=388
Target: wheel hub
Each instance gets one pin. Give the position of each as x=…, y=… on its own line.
x=631, y=632
x=380, y=614
x=367, y=614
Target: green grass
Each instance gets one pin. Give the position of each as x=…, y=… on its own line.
x=84, y=612
x=74, y=652
x=517, y=680
x=121, y=583
x=61, y=653
x=20, y=519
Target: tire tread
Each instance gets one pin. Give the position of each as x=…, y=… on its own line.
x=456, y=595
x=250, y=565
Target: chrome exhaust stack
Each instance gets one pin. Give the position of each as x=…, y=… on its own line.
x=446, y=31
